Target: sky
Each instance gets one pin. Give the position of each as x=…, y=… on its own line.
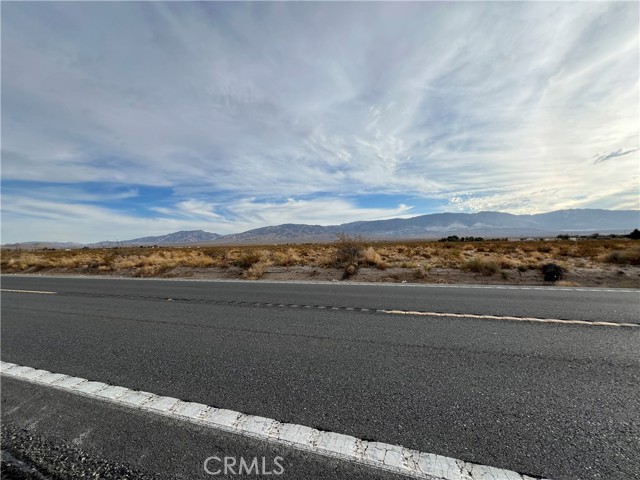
x=128, y=119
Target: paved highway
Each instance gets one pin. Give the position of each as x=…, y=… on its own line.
x=556, y=400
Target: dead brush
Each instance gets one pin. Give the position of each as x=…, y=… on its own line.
x=348, y=249
x=73, y=261
x=629, y=256
x=420, y=273
x=126, y=262
x=26, y=261
x=373, y=258
x=196, y=260
x=345, y=253
x=286, y=259
x=152, y=259
x=257, y=270
x=409, y=264
x=324, y=259
x=292, y=257
x=247, y=259
x=279, y=259
x=223, y=260
x=504, y=262
x=151, y=270
x=480, y=265
x=392, y=255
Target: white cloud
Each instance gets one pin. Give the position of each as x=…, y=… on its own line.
x=28, y=217
x=264, y=100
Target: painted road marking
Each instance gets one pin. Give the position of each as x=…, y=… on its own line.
x=337, y=283
x=504, y=317
x=372, y=310
x=392, y=458
x=26, y=291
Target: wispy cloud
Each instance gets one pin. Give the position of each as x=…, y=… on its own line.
x=57, y=221
x=42, y=219
x=468, y=105
x=618, y=153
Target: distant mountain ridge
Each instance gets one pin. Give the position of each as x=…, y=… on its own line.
x=490, y=224
x=176, y=238
x=39, y=245
x=431, y=226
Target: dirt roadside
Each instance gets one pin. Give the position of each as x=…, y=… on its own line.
x=608, y=276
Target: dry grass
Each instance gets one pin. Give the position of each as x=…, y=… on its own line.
x=289, y=258
x=247, y=259
x=373, y=258
x=257, y=270
x=480, y=265
x=485, y=258
x=630, y=256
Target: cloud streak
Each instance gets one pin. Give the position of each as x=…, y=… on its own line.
x=621, y=152
x=52, y=221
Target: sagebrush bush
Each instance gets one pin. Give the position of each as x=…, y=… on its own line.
x=247, y=259
x=348, y=250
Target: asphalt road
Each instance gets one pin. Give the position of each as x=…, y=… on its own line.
x=553, y=400
x=70, y=437
x=620, y=305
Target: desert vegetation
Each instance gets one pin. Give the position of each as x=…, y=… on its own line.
x=347, y=257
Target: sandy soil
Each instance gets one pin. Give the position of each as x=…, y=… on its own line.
x=609, y=276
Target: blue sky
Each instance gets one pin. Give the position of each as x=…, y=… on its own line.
x=128, y=119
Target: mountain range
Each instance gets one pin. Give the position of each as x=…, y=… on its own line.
x=482, y=224
x=190, y=237
x=485, y=224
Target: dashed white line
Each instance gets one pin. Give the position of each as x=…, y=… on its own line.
x=337, y=283
x=428, y=314
x=505, y=317
x=27, y=291
x=392, y=458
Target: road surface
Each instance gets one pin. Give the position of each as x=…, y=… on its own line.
x=557, y=400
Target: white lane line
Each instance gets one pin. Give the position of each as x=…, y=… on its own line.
x=27, y=291
x=335, y=283
x=430, y=314
x=392, y=458
x=504, y=317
